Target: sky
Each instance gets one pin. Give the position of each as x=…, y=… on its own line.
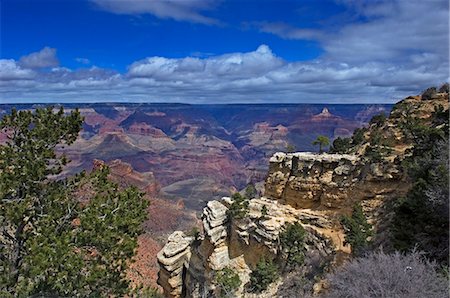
x=218, y=51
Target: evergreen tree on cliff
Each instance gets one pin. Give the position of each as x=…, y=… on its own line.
x=322, y=141
x=71, y=237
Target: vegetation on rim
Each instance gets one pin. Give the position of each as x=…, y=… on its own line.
x=52, y=243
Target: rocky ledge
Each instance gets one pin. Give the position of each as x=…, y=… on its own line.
x=188, y=266
x=327, y=181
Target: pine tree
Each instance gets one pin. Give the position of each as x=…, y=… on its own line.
x=51, y=243
x=322, y=141
x=357, y=230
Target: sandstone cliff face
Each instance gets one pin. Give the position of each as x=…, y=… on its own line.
x=330, y=181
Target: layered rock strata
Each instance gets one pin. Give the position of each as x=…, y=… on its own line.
x=330, y=181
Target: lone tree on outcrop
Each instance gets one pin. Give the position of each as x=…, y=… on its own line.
x=51, y=244
x=322, y=141
x=239, y=208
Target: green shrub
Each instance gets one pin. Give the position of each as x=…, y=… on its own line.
x=264, y=211
x=429, y=93
x=265, y=273
x=358, y=136
x=357, y=230
x=422, y=217
x=378, y=120
x=239, y=207
x=228, y=282
x=373, y=154
x=292, y=240
x=250, y=191
x=341, y=145
x=290, y=148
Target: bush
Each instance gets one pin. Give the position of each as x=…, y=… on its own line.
x=341, y=145
x=250, y=191
x=378, y=120
x=264, y=211
x=300, y=281
x=290, y=148
x=228, y=282
x=265, y=273
x=357, y=230
x=422, y=218
x=382, y=275
x=358, y=136
x=444, y=88
x=429, y=93
x=373, y=154
x=239, y=207
x=292, y=240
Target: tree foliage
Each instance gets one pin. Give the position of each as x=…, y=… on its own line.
x=239, y=208
x=357, y=230
x=382, y=275
x=250, y=191
x=422, y=217
x=228, y=282
x=429, y=93
x=292, y=240
x=322, y=141
x=290, y=148
x=378, y=120
x=264, y=211
x=341, y=145
x=51, y=243
x=358, y=136
x=265, y=273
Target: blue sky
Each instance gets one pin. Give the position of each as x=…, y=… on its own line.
x=207, y=51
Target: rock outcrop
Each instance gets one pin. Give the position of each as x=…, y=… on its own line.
x=236, y=244
x=330, y=181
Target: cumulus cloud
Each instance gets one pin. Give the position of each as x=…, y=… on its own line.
x=44, y=58
x=10, y=70
x=256, y=76
x=391, y=30
x=185, y=10
x=226, y=67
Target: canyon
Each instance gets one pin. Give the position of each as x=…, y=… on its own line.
x=313, y=189
x=201, y=152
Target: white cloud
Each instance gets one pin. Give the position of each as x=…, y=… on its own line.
x=42, y=59
x=185, y=10
x=226, y=67
x=10, y=70
x=392, y=30
x=256, y=76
